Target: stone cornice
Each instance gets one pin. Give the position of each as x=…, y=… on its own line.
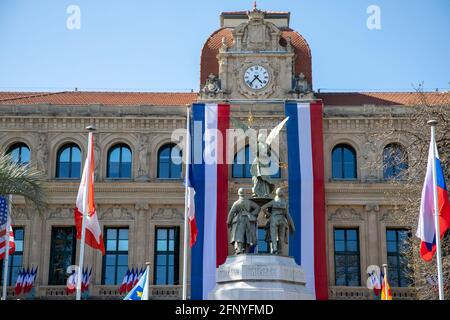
x=103, y=124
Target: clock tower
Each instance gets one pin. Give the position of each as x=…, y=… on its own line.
x=255, y=56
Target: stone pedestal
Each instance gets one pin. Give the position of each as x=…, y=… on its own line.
x=260, y=277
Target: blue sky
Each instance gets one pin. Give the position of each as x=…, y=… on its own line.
x=147, y=45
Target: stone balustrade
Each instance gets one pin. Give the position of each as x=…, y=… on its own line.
x=362, y=293
x=99, y=292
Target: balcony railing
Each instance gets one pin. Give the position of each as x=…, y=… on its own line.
x=101, y=292
x=362, y=293
x=97, y=292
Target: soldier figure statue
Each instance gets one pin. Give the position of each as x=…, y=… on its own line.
x=242, y=220
x=279, y=223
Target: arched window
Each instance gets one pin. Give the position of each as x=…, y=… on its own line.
x=68, y=162
x=20, y=153
x=169, y=162
x=243, y=162
x=119, y=162
x=343, y=162
x=395, y=161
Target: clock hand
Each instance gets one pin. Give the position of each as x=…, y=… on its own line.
x=253, y=80
x=257, y=77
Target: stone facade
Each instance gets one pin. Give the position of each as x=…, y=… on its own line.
x=144, y=202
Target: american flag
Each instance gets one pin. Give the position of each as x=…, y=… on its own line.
x=3, y=225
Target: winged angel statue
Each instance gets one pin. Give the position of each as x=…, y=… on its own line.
x=262, y=167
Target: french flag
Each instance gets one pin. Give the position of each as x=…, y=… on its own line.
x=306, y=193
x=426, y=230
x=210, y=181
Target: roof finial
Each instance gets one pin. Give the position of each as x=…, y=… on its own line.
x=254, y=5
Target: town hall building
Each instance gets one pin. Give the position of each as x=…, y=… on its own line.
x=139, y=189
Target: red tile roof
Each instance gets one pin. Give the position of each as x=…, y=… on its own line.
x=384, y=98
x=209, y=63
x=183, y=98
x=106, y=98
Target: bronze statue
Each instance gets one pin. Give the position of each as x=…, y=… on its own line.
x=260, y=169
x=263, y=162
x=279, y=224
x=242, y=222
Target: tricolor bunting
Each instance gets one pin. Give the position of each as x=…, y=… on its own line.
x=85, y=203
x=5, y=236
x=210, y=180
x=306, y=192
x=426, y=230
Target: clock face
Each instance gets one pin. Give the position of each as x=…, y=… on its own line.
x=256, y=77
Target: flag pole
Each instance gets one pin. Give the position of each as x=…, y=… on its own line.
x=433, y=124
x=6, y=260
x=385, y=271
x=147, y=280
x=186, y=195
x=90, y=129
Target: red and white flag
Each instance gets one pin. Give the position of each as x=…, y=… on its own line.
x=85, y=203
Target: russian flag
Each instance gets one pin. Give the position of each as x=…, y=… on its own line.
x=306, y=193
x=210, y=180
x=426, y=230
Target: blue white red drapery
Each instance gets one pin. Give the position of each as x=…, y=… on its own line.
x=210, y=180
x=306, y=192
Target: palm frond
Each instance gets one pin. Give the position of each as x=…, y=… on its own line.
x=21, y=180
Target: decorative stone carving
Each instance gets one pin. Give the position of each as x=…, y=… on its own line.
x=142, y=206
x=392, y=216
x=65, y=212
x=143, y=157
x=301, y=87
x=97, y=159
x=167, y=214
x=42, y=153
x=117, y=213
x=20, y=213
x=345, y=214
x=212, y=87
x=369, y=154
x=224, y=46
x=257, y=34
x=372, y=207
